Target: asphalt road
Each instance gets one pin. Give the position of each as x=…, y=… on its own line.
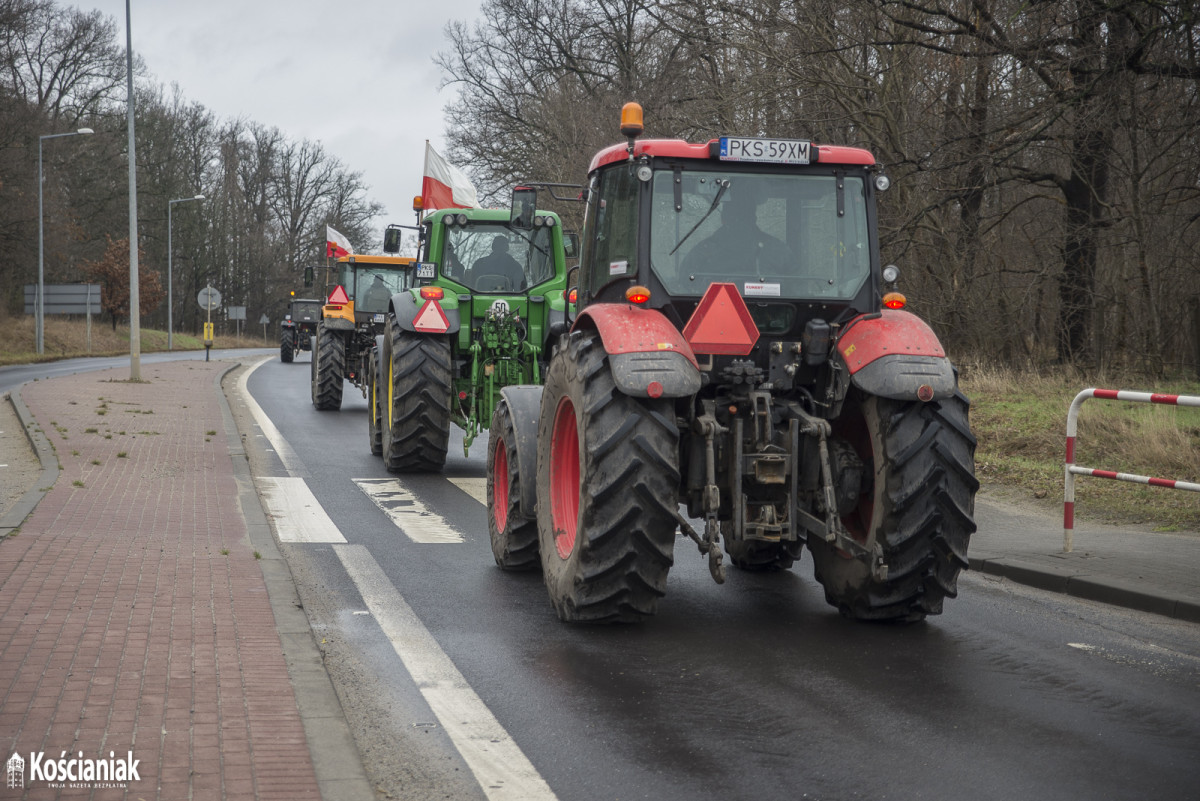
x=755, y=689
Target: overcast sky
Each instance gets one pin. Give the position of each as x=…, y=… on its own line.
x=356, y=75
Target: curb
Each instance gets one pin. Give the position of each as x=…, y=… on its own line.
x=24, y=506
x=336, y=760
x=1090, y=587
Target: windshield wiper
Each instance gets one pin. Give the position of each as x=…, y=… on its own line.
x=724, y=184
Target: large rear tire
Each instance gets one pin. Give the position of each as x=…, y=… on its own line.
x=285, y=349
x=514, y=536
x=920, y=508
x=329, y=370
x=416, y=409
x=607, y=487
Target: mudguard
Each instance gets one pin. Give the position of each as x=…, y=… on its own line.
x=648, y=355
x=896, y=355
x=524, y=406
x=405, y=307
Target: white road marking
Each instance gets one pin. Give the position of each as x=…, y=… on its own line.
x=408, y=513
x=298, y=515
x=475, y=487
x=283, y=450
x=497, y=762
x=501, y=768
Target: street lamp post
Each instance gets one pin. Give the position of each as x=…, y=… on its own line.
x=170, y=254
x=40, y=307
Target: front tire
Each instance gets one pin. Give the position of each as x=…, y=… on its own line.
x=920, y=509
x=607, y=487
x=416, y=408
x=514, y=536
x=329, y=370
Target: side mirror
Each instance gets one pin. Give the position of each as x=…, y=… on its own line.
x=571, y=244
x=391, y=239
x=308, y=277
x=524, y=201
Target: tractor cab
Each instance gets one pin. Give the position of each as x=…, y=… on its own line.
x=481, y=252
x=790, y=223
x=364, y=284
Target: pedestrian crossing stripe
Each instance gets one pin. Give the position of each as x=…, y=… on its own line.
x=475, y=487
x=408, y=513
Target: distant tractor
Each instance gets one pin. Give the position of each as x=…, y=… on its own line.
x=488, y=293
x=298, y=327
x=734, y=352
x=352, y=317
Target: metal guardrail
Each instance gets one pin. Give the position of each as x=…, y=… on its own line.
x=1071, y=469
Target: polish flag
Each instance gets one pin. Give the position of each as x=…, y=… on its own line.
x=336, y=245
x=445, y=186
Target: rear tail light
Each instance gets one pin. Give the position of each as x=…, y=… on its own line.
x=894, y=300
x=432, y=293
x=637, y=294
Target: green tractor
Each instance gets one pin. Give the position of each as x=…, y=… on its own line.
x=489, y=296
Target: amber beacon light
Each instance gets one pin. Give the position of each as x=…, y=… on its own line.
x=631, y=120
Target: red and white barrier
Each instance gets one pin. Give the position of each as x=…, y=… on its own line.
x=1072, y=470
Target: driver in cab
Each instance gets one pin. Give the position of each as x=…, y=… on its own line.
x=377, y=296
x=498, y=271
x=739, y=241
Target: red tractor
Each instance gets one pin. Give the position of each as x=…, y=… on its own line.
x=734, y=350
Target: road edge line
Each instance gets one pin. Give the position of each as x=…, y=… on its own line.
x=337, y=762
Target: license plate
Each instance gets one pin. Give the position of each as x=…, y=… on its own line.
x=379, y=318
x=774, y=151
x=426, y=270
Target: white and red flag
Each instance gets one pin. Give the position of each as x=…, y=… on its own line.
x=445, y=186
x=336, y=245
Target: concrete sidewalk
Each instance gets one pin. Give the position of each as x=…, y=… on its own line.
x=135, y=615
x=1133, y=567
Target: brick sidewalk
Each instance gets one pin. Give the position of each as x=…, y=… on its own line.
x=133, y=613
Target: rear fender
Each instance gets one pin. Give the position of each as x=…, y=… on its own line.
x=524, y=407
x=648, y=355
x=896, y=355
x=405, y=307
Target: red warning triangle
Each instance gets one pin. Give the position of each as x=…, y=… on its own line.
x=721, y=323
x=338, y=295
x=431, y=319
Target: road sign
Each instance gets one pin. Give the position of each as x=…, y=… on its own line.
x=209, y=299
x=237, y=312
x=64, y=299
x=264, y=320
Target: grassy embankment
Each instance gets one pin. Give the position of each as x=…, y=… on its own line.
x=1020, y=421
x=1019, y=418
x=66, y=339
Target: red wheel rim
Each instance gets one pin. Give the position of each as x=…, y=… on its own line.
x=564, y=478
x=500, y=485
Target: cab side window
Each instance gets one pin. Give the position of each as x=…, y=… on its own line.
x=613, y=238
